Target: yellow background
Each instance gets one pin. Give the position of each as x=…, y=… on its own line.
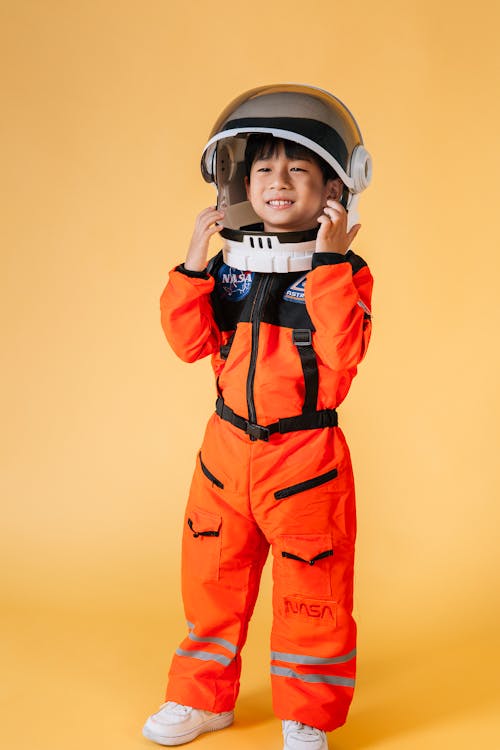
x=106, y=106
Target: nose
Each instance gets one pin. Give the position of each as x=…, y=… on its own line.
x=280, y=177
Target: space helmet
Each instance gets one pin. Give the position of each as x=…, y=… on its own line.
x=306, y=115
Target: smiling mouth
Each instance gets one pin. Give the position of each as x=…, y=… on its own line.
x=280, y=203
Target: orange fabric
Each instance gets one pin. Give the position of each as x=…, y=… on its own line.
x=332, y=297
x=220, y=574
x=293, y=494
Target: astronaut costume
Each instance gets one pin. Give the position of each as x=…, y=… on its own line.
x=286, y=328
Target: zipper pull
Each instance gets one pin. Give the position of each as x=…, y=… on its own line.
x=320, y=556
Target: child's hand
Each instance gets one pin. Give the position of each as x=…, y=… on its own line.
x=204, y=228
x=333, y=236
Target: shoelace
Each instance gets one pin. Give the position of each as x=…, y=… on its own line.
x=297, y=726
x=178, y=708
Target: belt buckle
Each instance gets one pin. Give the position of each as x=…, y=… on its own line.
x=257, y=432
x=302, y=337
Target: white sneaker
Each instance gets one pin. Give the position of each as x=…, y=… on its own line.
x=175, y=724
x=299, y=736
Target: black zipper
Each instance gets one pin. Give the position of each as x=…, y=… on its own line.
x=209, y=475
x=294, y=489
x=196, y=534
x=321, y=556
x=264, y=283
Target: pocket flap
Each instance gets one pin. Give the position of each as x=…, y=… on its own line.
x=204, y=520
x=306, y=546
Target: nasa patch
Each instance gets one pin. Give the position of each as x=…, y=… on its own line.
x=234, y=285
x=296, y=292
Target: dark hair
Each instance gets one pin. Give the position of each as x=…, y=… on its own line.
x=265, y=145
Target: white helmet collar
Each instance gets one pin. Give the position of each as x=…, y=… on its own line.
x=250, y=249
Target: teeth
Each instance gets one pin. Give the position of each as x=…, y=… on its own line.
x=280, y=203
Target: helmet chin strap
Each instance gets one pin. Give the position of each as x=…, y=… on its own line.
x=283, y=252
x=267, y=253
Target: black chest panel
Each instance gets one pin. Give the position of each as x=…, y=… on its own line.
x=234, y=296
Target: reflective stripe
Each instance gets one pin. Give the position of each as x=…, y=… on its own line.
x=326, y=678
x=218, y=641
x=365, y=308
x=300, y=659
x=204, y=656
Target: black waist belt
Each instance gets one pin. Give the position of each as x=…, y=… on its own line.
x=310, y=421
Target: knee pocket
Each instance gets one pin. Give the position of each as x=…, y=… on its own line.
x=202, y=544
x=303, y=564
x=314, y=565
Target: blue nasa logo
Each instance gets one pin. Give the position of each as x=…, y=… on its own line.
x=234, y=284
x=296, y=292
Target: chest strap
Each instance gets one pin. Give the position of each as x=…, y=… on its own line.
x=311, y=421
x=302, y=338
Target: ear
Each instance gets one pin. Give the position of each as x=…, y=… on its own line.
x=334, y=188
x=247, y=186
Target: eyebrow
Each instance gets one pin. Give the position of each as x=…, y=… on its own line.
x=267, y=157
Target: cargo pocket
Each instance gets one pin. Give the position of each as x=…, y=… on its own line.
x=304, y=564
x=307, y=484
x=202, y=543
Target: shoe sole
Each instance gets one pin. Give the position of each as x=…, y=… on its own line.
x=211, y=725
x=323, y=747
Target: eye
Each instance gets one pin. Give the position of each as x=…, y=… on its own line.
x=264, y=169
x=299, y=165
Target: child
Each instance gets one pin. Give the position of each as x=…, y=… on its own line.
x=274, y=468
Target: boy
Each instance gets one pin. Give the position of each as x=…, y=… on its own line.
x=274, y=468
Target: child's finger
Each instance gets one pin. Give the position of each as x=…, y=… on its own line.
x=324, y=219
x=214, y=229
x=211, y=219
x=207, y=214
x=336, y=205
x=353, y=232
x=335, y=213
x=324, y=229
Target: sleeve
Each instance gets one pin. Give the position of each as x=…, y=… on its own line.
x=187, y=316
x=338, y=300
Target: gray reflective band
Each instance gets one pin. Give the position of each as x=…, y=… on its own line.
x=324, y=678
x=365, y=308
x=300, y=659
x=218, y=641
x=204, y=656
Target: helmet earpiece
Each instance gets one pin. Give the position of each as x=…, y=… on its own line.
x=361, y=168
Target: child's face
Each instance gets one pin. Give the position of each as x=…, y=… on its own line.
x=289, y=194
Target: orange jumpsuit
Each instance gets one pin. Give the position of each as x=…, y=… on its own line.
x=273, y=471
